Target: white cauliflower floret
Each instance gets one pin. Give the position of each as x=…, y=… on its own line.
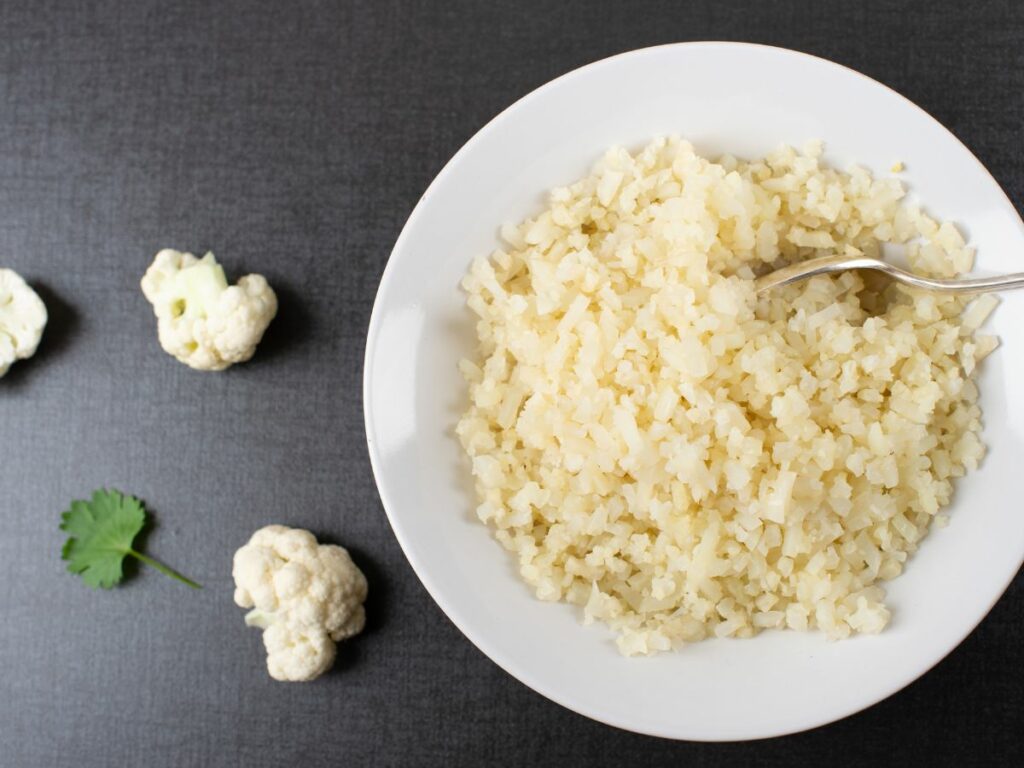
x=22, y=319
x=304, y=595
x=204, y=322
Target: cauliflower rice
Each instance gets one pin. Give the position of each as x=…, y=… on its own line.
x=683, y=458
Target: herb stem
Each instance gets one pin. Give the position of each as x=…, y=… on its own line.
x=166, y=570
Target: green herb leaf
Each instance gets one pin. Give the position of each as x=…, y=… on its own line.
x=101, y=532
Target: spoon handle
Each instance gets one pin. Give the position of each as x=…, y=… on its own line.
x=826, y=265
x=971, y=285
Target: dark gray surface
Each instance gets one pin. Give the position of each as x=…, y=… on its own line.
x=294, y=139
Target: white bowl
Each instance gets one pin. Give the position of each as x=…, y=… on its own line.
x=724, y=97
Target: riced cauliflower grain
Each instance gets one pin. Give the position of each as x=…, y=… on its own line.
x=685, y=459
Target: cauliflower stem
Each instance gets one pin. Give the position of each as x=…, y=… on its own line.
x=260, y=619
x=194, y=291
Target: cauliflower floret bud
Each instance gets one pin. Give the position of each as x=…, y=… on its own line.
x=22, y=319
x=304, y=595
x=201, y=320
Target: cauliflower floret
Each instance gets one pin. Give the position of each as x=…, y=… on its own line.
x=22, y=319
x=304, y=595
x=204, y=322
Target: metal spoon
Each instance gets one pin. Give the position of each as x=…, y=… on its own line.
x=828, y=264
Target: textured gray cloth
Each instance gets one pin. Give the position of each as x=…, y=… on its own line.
x=294, y=139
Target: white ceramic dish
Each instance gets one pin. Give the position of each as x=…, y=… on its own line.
x=743, y=99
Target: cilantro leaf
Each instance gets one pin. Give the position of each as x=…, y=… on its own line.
x=101, y=532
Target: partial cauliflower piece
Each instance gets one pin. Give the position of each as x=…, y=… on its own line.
x=304, y=595
x=22, y=319
x=204, y=322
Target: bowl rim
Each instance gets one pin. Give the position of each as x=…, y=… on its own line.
x=509, y=665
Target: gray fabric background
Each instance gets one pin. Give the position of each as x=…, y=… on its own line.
x=294, y=139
